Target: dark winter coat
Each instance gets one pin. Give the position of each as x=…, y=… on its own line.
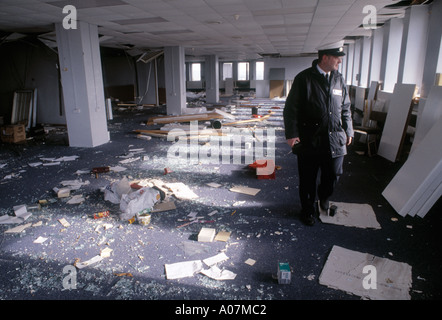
x=319, y=113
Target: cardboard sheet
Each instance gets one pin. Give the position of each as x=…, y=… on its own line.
x=352, y=215
x=344, y=270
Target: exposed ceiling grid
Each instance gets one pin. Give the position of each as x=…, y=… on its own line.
x=229, y=28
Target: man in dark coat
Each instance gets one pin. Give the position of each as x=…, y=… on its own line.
x=318, y=127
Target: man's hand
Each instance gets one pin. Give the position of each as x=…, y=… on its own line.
x=291, y=142
x=349, y=140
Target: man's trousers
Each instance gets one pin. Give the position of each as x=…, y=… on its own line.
x=309, y=165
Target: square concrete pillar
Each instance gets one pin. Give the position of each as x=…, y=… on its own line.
x=82, y=81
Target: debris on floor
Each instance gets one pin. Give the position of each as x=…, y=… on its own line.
x=136, y=225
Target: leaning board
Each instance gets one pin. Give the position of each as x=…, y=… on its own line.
x=419, y=178
x=430, y=112
x=396, y=121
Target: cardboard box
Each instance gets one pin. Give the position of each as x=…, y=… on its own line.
x=13, y=133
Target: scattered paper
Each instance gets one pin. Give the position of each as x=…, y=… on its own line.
x=129, y=160
x=117, y=169
x=181, y=191
x=77, y=199
x=81, y=265
x=216, y=259
x=7, y=219
x=18, y=229
x=21, y=212
x=51, y=163
x=35, y=164
x=213, y=184
x=164, y=206
x=250, y=262
x=183, y=269
x=218, y=274
x=40, y=239
x=344, y=270
x=351, y=215
x=74, y=184
x=78, y=172
x=105, y=253
x=64, y=222
x=245, y=190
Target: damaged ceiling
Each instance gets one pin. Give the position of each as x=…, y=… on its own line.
x=231, y=29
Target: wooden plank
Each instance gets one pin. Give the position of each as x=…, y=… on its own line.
x=249, y=120
x=186, y=118
x=396, y=123
x=373, y=91
x=180, y=132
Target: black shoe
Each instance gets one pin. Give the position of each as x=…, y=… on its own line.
x=308, y=217
x=324, y=204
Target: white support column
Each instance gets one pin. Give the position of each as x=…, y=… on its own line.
x=343, y=65
x=377, y=40
x=174, y=68
x=391, y=53
x=350, y=54
x=356, y=63
x=82, y=80
x=365, y=62
x=433, y=52
x=414, y=44
x=212, y=79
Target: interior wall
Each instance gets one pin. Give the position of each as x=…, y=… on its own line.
x=292, y=65
x=26, y=64
x=29, y=63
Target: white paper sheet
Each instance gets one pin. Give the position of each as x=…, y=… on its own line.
x=81, y=265
x=216, y=259
x=218, y=274
x=183, y=269
x=18, y=229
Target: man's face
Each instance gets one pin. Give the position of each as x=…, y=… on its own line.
x=331, y=63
